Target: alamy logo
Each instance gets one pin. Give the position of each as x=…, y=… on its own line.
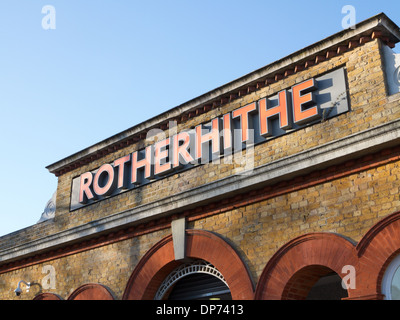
x=349, y=280
x=49, y=20
x=349, y=20
x=49, y=280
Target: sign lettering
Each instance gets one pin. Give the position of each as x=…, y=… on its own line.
x=254, y=123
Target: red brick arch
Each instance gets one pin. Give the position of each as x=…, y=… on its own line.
x=91, y=291
x=47, y=296
x=294, y=269
x=159, y=262
x=376, y=250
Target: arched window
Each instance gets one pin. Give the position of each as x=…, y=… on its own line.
x=196, y=280
x=391, y=280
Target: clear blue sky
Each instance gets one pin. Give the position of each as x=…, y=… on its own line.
x=111, y=64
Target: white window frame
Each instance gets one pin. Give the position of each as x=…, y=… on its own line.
x=388, y=277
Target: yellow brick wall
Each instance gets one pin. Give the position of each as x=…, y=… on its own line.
x=349, y=206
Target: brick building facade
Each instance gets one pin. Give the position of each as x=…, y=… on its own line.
x=309, y=197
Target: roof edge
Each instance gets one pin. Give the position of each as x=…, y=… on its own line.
x=389, y=31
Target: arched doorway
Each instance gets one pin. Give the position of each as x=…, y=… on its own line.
x=159, y=262
x=197, y=280
x=315, y=283
x=306, y=264
x=378, y=251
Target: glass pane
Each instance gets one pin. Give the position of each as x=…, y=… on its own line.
x=395, y=286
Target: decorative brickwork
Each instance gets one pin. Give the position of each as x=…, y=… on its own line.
x=159, y=262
